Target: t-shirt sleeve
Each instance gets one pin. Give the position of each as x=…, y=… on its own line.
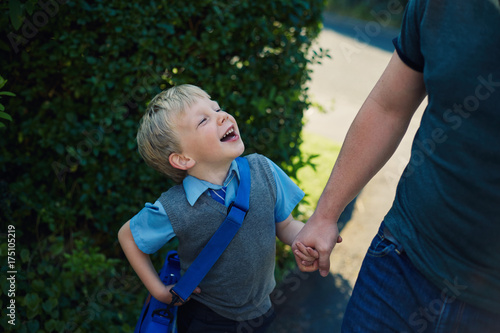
x=151, y=228
x=288, y=194
x=407, y=44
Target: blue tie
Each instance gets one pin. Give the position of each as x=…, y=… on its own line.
x=218, y=195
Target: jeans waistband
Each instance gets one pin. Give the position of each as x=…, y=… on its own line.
x=389, y=236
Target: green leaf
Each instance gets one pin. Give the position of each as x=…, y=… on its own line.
x=168, y=27
x=71, y=117
x=16, y=13
x=38, y=285
x=30, y=7
x=33, y=326
x=25, y=255
x=31, y=300
x=7, y=93
x=272, y=93
x=5, y=116
x=59, y=148
x=49, y=304
x=50, y=325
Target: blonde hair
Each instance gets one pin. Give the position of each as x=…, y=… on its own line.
x=156, y=138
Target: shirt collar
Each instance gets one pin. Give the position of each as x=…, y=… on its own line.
x=194, y=187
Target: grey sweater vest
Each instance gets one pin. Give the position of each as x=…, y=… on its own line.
x=239, y=284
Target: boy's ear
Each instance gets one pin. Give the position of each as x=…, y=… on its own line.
x=181, y=162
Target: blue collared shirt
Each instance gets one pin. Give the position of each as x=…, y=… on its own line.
x=151, y=227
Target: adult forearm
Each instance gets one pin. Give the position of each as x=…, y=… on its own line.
x=374, y=135
x=370, y=142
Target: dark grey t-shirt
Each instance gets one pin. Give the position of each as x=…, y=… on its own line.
x=447, y=207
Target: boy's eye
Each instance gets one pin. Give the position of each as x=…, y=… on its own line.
x=202, y=121
x=218, y=110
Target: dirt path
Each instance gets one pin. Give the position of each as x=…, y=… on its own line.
x=308, y=303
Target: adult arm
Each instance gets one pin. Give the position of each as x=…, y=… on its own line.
x=371, y=140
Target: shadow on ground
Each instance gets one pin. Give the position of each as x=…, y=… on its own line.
x=307, y=302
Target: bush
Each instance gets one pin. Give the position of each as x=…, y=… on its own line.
x=4, y=115
x=386, y=12
x=82, y=72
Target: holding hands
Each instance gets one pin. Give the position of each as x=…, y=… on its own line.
x=313, y=245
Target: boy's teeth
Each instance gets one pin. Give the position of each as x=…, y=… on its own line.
x=228, y=132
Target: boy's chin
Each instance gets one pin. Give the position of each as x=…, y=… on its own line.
x=241, y=150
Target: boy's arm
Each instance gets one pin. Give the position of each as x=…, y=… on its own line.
x=287, y=230
x=142, y=265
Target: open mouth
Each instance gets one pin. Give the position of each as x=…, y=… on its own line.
x=229, y=135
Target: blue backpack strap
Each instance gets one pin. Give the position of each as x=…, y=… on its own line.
x=219, y=241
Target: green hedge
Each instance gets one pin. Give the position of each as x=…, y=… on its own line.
x=388, y=13
x=70, y=173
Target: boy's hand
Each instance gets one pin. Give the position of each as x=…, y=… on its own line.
x=306, y=255
x=166, y=295
x=307, y=258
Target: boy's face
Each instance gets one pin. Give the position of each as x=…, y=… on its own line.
x=209, y=135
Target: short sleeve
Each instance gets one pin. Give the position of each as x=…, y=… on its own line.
x=151, y=228
x=407, y=44
x=288, y=194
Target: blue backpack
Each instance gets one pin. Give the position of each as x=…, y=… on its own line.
x=159, y=317
x=155, y=315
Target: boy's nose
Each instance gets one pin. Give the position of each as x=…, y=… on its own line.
x=222, y=117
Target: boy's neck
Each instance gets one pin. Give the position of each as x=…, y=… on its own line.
x=212, y=173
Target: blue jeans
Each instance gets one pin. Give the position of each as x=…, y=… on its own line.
x=390, y=295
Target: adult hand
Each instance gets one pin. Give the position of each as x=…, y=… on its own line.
x=322, y=235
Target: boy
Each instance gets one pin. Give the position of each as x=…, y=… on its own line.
x=187, y=137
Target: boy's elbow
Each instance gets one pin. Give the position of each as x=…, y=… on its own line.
x=124, y=232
